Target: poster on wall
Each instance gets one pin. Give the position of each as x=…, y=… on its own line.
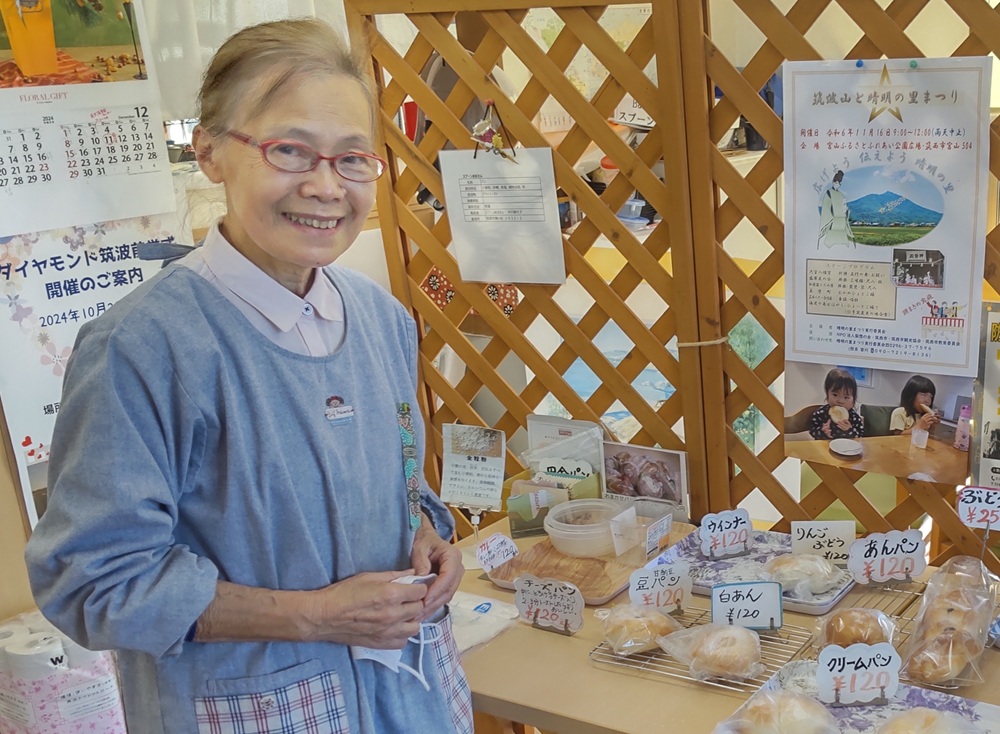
x=52, y=283
x=81, y=136
x=885, y=216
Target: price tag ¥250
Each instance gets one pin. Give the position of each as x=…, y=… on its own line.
x=979, y=507
x=755, y=605
x=665, y=587
x=726, y=533
x=859, y=674
x=550, y=603
x=894, y=556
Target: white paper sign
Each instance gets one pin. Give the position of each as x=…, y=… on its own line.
x=859, y=674
x=549, y=603
x=830, y=539
x=495, y=551
x=726, y=533
x=979, y=507
x=752, y=604
x=624, y=529
x=91, y=151
x=894, y=556
x=504, y=216
x=665, y=587
x=473, y=466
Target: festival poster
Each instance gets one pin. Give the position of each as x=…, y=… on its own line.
x=81, y=134
x=53, y=282
x=885, y=216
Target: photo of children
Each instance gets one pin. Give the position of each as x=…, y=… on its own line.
x=837, y=418
x=54, y=42
x=895, y=421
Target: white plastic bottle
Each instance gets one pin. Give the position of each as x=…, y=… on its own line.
x=962, y=429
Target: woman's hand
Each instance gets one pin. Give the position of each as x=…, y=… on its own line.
x=433, y=554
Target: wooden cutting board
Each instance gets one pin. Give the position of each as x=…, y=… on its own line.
x=599, y=579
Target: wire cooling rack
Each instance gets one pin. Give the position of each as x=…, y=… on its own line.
x=776, y=649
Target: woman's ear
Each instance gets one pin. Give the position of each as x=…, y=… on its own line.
x=206, y=153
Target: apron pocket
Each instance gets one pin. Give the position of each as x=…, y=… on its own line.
x=290, y=701
x=447, y=662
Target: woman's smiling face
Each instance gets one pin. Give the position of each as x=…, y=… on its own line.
x=290, y=223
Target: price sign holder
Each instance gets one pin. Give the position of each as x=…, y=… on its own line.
x=727, y=534
x=666, y=588
x=859, y=675
x=495, y=551
x=829, y=539
x=885, y=558
x=549, y=604
x=755, y=605
x=979, y=507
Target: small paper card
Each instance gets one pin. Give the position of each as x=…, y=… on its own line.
x=858, y=675
x=892, y=556
x=665, y=587
x=624, y=530
x=495, y=551
x=979, y=507
x=473, y=466
x=755, y=605
x=830, y=539
x=726, y=533
x=551, y=603
x=566, y=467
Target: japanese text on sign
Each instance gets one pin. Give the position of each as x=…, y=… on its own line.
x=848, y=288
x=665, y=587
x=495, y=551
x=892, y=556
x=549, y=603
x=979, y=507
x=829, y=539
x=859, y=674
x=753, y=604
x=726, y=533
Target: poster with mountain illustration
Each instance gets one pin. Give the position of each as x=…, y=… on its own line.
x=885, y=212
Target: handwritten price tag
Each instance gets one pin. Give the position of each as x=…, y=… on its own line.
x=550, y=603
x=755, y=605
x=829, y=539
x=892, y=556
x=495, y=551
x=665, y=587
x=979, y=507
x=859, y=674
x=726, y=533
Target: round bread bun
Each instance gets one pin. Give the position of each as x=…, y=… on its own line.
x=631, y=629
x=923, y=720
x=955, y=610
x=838, y=413
x=785, y=712
x=726, y=652
x=942, y=658
x=816, y=573
x=849, y=626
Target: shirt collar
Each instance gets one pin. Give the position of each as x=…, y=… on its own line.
x=275, y=302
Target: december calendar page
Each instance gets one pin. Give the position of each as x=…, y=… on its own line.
x=81, y=137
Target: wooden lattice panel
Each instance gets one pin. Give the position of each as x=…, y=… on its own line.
x=706, y=291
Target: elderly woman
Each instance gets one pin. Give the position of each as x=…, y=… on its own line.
x=236, y=505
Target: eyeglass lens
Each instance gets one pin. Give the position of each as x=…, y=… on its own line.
x=296, y=158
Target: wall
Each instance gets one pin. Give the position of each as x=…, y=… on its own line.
x=15, y=596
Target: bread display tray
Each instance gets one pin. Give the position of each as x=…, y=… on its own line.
x=707, y=573
x=800, y=676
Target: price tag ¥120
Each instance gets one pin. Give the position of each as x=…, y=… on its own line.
x=829, y=539
x=859, y=674
x=666, y=587
x=894, y=556
x=726, y=533
x=979, y=507
x=495, y=551
x=755, y=605
x=549, y=603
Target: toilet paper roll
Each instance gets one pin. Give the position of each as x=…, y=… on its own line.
x=36, y=622
x=36, y=656
x=78, y=656
x=9, y=632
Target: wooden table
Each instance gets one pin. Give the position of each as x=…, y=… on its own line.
x=548, y=681
x=892, y=455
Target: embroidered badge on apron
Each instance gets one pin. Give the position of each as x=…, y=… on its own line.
x=338, y=413
x=409, y=439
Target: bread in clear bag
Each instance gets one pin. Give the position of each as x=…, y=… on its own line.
x=630, y=629
x=716, y=651
x=780, y=712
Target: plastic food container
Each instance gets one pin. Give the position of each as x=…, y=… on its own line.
x=582, y=528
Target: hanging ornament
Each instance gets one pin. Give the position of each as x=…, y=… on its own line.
x=491, y=134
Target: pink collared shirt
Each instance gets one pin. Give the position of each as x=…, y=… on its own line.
x=313, y=325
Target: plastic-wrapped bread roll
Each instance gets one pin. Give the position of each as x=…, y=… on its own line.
x=942, y=659
x=803, y=575
x=958, y=609
x=716, y=651
x=630, y=629
x=928, y=721
x=780, y=712
x=846, y=627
